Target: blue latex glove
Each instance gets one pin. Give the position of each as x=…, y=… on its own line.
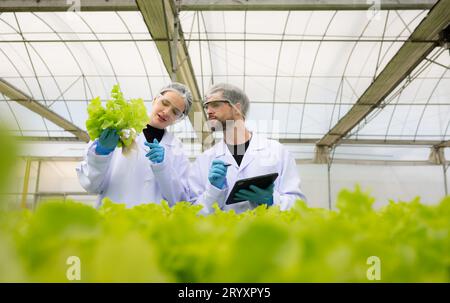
x=107, y=142
x=256, y=194
x=218, y=173
x=156, y=153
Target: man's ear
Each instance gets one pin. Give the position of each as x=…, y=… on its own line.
x=238, y=109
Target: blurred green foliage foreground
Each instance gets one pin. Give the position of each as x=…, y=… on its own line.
x=63, y=242
x=70, y=242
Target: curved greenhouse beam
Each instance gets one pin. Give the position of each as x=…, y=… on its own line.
x=139, y=52
x=428, y=101
x=313, y=66
x=341, y=85
x=66, y=45
x=400, y=66
x=277, y=69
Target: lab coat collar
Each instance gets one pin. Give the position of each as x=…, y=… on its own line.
x=256, y=143
x=167, y=140
x=222, y=152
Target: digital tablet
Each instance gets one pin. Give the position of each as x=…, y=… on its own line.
x=262, y=181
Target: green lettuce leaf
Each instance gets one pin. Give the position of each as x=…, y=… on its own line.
x=129, y=118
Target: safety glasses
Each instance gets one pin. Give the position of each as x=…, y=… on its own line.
x=215, y=104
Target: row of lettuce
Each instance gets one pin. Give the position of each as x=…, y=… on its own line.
x=403, y=242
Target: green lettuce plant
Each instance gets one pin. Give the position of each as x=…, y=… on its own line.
x=129, y=118
x=158, y=243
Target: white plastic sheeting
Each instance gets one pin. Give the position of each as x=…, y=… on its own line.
x=383, y=182
x=303, y=70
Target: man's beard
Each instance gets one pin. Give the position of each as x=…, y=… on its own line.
x=219, y=125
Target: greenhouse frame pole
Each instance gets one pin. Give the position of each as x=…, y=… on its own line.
x=329, y=185
x=444, y=169
x=26, y=180
x=174, y=42
x=36, y=190
x=440, y=155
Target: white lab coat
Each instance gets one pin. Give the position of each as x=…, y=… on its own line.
x=132, y=178
x=263, y=156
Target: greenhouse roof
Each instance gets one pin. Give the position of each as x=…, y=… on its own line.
x=304, y=67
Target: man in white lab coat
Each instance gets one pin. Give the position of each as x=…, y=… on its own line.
x=155, y=168
x=212, y=177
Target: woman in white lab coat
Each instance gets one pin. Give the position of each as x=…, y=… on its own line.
x=155, y=169
x=239, y=155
